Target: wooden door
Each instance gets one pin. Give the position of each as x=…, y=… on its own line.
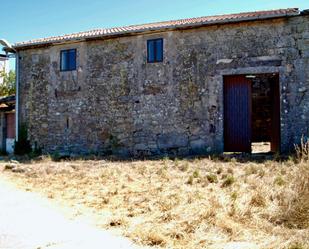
x=10, y=125
x=237, y=114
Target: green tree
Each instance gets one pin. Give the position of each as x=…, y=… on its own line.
x=8, y=85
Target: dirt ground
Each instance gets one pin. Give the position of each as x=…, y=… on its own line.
x=182, y=203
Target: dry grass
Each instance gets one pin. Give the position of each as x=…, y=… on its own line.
x=296, y=205
x=183, y=203
x=302, y=150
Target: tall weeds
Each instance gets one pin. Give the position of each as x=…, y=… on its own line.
x=302, y=150
x=295, y=212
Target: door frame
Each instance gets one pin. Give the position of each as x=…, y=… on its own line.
x=276, y=110
x=276, y=115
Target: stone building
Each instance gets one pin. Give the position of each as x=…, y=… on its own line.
x=200, y=85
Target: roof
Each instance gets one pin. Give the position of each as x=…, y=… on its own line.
x=7, y=103
x=160, y=26
x=7, y=99
x=3, y=57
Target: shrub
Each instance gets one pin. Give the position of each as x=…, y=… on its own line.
x=22, y=146
x=212, y=178
x=279, y=181
x=35, y=153
x=196, y=174
x=56, y=157
x=229, y=180
x=234, y=196
x=3, y=153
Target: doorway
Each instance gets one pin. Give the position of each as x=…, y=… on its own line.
x=9, y=132
x=252, y=113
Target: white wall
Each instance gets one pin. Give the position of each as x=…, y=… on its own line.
x=10, y=145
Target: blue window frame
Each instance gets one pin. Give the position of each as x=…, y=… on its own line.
x=155, y=50
x=68, y=60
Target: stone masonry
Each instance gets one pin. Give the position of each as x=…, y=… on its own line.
x=116, y=102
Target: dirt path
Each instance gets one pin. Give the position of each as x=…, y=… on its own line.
x=27, y=221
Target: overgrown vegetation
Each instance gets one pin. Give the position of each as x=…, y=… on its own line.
x=22, y=146
x=295, y=208
x=302, y=149
x=198, y=203
x=8, y=86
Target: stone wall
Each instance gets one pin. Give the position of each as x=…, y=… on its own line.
x=115, y=102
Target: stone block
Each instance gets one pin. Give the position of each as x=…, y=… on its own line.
x=198, y=144
x=172, y=140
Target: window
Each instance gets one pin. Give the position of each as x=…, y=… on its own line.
x=155, y=50
x=68, y=60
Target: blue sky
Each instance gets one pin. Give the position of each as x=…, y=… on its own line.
x=23, y=20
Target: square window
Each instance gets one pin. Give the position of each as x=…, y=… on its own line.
x=68, y=60
x=155, y=50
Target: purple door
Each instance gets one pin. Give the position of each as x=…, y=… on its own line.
x=237, y=114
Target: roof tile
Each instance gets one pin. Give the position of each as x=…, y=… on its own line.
x=182, y=23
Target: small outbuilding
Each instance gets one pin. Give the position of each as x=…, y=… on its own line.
x=7, y=124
